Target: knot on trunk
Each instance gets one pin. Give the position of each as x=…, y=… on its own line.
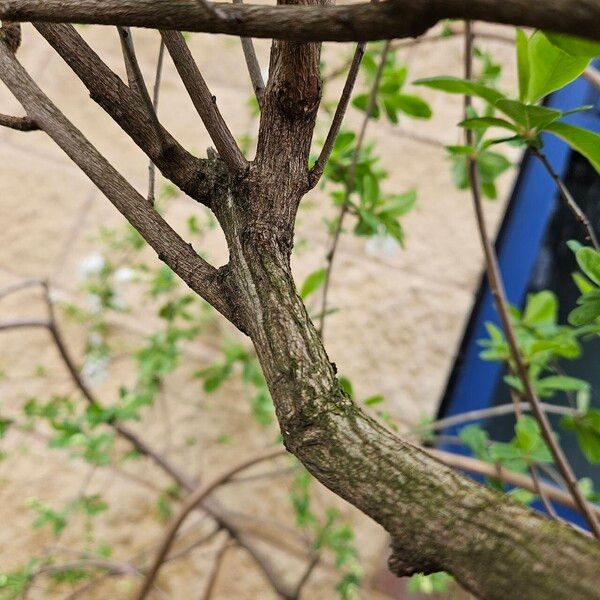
x=405, y=563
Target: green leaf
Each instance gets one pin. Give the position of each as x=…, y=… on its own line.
x=398, y=206
x=541, y=308
x=460, y=150
x=455, y=85
x=575, y=46
x=585, y=314
x=589, y=261
x=374, y=400
x=527, y=433
x=527, y=115
x=390, y=110
x=550, y=67
x=587, y=430
x=370, y=190
x=491, y=165
x=4, y=425
x=585, y=142
x=313, y=282
x=475, y=438
x=583, y=285
x=487, y=122
x=412, y=105
x=362, y=102
x=346, y=386
x=523, y=63
x=562, y=383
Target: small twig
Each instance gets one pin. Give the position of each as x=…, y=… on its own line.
x=23, y=324
x=350, y=180
x=499, y=472
x=530, y=465
x=155, y=99
x=485, y=413
x=541, y=492
x=593, y=76
x=253, y=66
x=214, y=576
x=21, y=285
x=136, y=80
x=312, y=565
x=18, y=123
x=569, y=200
x=336, y=124
x=204, y=102
x=190, y=504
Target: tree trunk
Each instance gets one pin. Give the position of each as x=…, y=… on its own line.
x=438, y=519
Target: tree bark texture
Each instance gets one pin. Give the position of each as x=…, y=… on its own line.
x=344, y=23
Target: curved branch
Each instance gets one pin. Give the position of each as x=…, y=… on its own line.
x=202, y=277
x=473, y=465
x=191, y=503
x=221, y=515
x=106, y=88
x=344, y=23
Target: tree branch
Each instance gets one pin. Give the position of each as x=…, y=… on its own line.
x=336, y=124
x=155, y=98
x=344, y=23
x=137, y=83
x=350, y=181
x=170, y=247
x=212, y=582
x=194, y=176
x=203, y=100
x=486, y=413
x=568, y=199
x=253, y=66
x=474, y=465
x=190, y=504
x=18, y=123
x=499, y=294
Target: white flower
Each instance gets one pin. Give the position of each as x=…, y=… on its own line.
x=91, y=265
x=94, y=370
x=383, y=246
x=94, y=303
x=124, y=274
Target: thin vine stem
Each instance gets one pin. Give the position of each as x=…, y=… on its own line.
x=498, y=292
x=350, y=181
x=568, y=199
x=155, y=99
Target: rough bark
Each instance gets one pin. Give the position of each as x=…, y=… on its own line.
x=438, y=520
x=344, y=23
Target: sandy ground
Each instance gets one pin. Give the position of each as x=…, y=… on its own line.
x=399, y=322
